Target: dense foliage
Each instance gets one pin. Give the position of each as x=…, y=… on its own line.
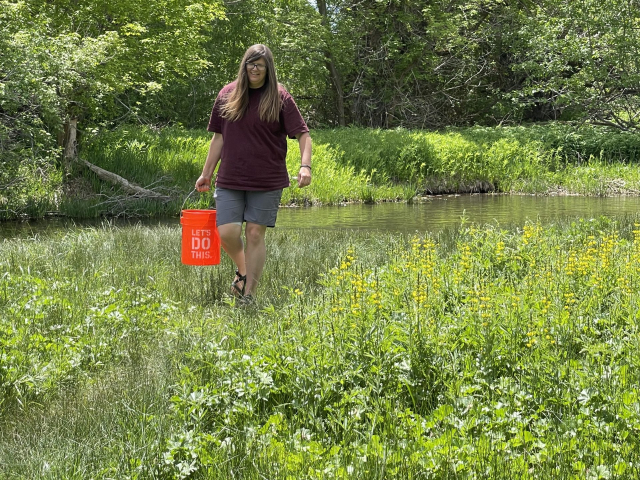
x=84, y=64
x=87, y=65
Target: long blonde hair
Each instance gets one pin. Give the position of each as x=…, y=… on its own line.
x=237, y=101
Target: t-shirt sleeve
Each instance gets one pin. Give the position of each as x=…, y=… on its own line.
x=292, y=120
x=215, y=121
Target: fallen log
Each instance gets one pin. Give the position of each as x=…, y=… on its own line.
x=126, y=185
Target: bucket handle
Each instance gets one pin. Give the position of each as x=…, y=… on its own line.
x=185, y=201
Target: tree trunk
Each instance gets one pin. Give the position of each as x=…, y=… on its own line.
x=337, y=84
x=69, y=144
x=331, y=66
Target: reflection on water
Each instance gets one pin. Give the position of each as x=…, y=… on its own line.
x=432, y=215
x=437, y=213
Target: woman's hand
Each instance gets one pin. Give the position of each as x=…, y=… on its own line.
x=203, y=184
x=304, y=177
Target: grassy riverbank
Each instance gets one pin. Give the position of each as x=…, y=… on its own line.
x=478, y=353
x=350, y=165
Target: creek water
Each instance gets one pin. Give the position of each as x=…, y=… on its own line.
x=431, y=214
x=437, y=213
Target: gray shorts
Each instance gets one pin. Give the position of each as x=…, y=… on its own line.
x=237, y=206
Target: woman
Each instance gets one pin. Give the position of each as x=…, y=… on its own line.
x=251, y=119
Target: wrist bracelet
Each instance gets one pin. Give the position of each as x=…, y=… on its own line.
x=307, y=166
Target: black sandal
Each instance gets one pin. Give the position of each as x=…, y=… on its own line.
x=246, y=300
x=234, y=285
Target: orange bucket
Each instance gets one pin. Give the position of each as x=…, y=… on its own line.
x=200, y=238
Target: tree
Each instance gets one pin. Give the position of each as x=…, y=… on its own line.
x=69, y=62
x=580, y=60
x=27, y=149
x=416, y=63
x=292, y=30
x=80, y=55
x=329, y=26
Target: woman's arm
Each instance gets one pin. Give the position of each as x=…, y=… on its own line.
x=304, y=174
x=213, y=157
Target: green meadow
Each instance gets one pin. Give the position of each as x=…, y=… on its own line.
x=477, y=352
x=482, y=351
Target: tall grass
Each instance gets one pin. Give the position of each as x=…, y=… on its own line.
x=29, y=188
x=368, y=165
x=480, y=352
x=532, y=159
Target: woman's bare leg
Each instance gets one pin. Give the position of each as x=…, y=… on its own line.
x=231, y=240
x=255, y=255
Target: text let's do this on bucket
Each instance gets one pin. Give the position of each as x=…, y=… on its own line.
x=201, y=243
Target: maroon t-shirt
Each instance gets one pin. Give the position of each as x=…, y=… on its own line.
x=254, y=152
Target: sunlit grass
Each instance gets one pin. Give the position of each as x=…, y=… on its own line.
x=371, y=165
x=478, y=353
